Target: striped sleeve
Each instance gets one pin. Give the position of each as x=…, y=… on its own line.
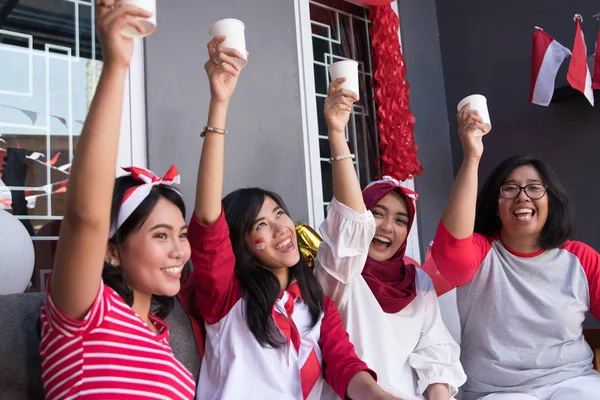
x=58, y=320
x=590, y=262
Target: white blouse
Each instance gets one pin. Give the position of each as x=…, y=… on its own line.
x=409, y=350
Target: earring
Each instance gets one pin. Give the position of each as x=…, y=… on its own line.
x=113, y=262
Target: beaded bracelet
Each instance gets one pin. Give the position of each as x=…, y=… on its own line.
x=342, y=157
x=214, y=130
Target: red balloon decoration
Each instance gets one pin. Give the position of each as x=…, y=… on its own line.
x=376, y=2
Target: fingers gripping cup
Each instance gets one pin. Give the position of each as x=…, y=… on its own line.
x=479, y=103
x=235, y=38
x=149, y=24
x=345, y=69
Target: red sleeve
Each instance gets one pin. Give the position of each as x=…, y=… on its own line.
x=590, y=262
x=458, y=259
x=215, y=287
x=341, y=362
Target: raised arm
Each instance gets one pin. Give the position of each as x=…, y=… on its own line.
x=348, y=229
x=77, y=271
x=215, y=288
x=456, y=251
x=459, y=214
x=346, y=188
x=223, y=73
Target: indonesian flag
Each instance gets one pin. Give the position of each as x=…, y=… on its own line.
x=596, y=81
x=579, y=76
x=547, y=55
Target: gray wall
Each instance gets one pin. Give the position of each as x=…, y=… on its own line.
x=421, y=48
x=264, y=145
x=486, y=48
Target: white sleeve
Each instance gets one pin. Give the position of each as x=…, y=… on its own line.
x=436, y=358
x=342, y=254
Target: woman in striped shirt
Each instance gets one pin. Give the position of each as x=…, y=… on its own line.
x=99, y=336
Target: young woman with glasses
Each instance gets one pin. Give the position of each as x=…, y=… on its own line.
x=524, y=287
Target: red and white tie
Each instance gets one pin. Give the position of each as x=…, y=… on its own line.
x=135, y=195
x=310, y=371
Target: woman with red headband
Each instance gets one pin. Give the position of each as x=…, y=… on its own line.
x=389, y=307
x=100, y=337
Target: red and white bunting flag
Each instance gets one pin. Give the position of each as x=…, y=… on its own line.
x=596, y=80
x=579, y=76
x=547, y=55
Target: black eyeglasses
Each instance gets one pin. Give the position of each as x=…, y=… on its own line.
x=534, y=191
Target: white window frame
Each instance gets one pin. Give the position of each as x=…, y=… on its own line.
x=310, y=128
x=132, y=142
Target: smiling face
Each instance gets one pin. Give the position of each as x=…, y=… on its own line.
x=154, y=255
x=391, y=223
x=272, y=237
x=523, y=217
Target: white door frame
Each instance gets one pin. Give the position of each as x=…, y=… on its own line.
x=310, y=127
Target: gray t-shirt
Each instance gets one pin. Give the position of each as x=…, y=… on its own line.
x=521, y=314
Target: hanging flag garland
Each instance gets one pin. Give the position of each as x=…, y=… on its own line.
x=395, y=121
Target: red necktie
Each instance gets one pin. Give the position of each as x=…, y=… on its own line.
x=310, y=371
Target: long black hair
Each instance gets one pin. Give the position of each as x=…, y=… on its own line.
x=113, y=276
x=260, y=287
x=561, y=220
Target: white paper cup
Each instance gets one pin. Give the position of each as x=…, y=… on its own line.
x=149, y=24
x=479, y=103
x=345, y=69
x=235, y=37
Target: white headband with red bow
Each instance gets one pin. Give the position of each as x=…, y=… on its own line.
x=135, y=195
x=394, y=182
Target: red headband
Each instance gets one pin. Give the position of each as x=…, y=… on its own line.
x=135, y=195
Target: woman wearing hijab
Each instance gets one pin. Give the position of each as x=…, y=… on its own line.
x=389, y=307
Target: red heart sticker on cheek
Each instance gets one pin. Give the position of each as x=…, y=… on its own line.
x=260, y=244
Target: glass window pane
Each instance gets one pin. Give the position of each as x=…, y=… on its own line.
x=341, y=31
x=50, y=62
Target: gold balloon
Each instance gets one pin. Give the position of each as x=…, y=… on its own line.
x=309, y=241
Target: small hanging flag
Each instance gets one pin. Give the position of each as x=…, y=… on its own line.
x=547, y=55
x=579, y=76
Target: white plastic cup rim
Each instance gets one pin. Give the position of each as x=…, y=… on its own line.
x=469, y=99
x=341, y=62
x=224, y=20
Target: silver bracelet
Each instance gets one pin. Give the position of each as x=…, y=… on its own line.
x=211, y=129
x=342, y=157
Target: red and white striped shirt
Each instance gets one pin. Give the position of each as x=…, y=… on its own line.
x=111, y=353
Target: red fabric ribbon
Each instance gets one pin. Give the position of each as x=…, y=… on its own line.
x=310, y=371
x=395, y=122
